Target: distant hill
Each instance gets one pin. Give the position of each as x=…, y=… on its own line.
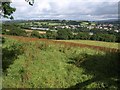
x=111, y=21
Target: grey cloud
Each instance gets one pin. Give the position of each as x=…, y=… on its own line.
x=106, y=8
x=74, y=11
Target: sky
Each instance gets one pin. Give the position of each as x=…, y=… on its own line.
x=66, y=9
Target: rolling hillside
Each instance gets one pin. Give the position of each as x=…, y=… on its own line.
x=34, y=63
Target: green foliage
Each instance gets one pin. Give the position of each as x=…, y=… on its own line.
x=43, y=36
x=44, y=65
x=80, y=33
x=64, y=34
x=17, y=32
x=104, y=37
x=4, y=31
x=11, y=52
x=105, y=69
x=35, y=34
x=82, y=36
x=3, y=39
x=118, y=37
x=13, y=29
x=7, y=10
x=51, y=34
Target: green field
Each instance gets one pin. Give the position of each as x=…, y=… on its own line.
x=43, y=65
x=95, y=43
x=47, y=23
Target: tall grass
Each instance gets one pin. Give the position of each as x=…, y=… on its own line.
x=43, y=65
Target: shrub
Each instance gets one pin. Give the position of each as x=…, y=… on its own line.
x=35, y=34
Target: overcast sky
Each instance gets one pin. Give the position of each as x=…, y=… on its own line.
x=66, y=9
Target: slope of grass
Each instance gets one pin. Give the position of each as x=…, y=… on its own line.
x=95, y=43
x=0, y=65
x=42, y=65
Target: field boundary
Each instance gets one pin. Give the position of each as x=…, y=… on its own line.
x=71, y=44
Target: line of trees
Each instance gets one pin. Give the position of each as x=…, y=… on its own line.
x=68, y=35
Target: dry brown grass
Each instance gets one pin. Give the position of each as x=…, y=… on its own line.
x=71, y=44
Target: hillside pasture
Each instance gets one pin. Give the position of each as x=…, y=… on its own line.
x=40, y=32
x=38, y=63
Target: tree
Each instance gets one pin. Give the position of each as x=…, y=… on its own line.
x=35, y=34
x=70, y=34
x=51, y=34
x=104, y=37
x=17, y=31
x=64, y=34
x=7, y=10
x=82, y=35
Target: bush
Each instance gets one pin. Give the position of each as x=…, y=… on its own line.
x=64, y=34
x=35, y=34
x=83, y=36
x=51, y=34
x=17, y=32
x=104, y=37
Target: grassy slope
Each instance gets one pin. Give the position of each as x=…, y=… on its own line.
x=37, y=64
x=0, y=63
x=95, y=43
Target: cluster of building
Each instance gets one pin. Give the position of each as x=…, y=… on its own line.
x=88, y=25
x=68, y=26
x=106, y=27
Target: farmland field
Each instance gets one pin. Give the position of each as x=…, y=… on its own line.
x=48, y=23
x=41, y=32
x=42, y=64
x=95, y=43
